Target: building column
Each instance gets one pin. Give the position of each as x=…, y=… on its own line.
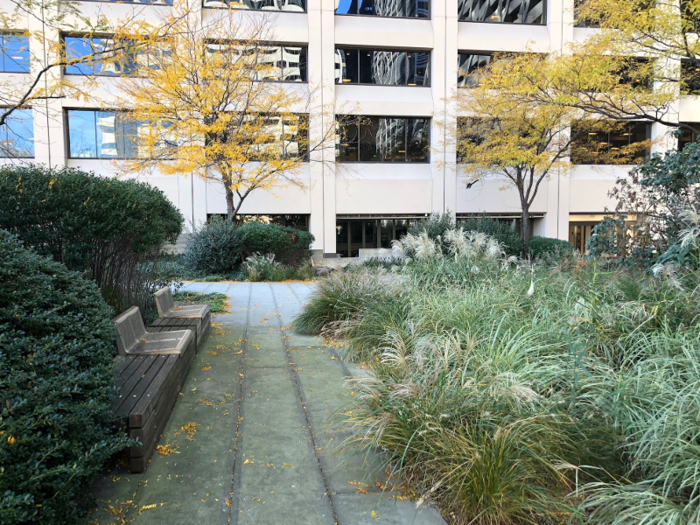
x=443, y=81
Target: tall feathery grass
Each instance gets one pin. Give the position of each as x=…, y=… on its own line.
x=516, y=394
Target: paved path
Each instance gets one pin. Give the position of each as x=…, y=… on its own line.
x=262, y=453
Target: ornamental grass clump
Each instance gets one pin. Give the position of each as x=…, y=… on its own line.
x=523, y=393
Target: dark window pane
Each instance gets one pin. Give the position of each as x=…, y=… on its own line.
x=690, y=78
x=391, y=139
x=17, y=135
x=418, y=68
x=370, y=234
x=15, y=51
x=347, y=137
x=366, y=7
x=347, y=63
x=400, y=228
x=107, y=135
x=355, y=238
x=686, y=137
x=507, y=11
x=388, y=68
x=418, y=138
x=81, y=134
x=293, y=6
x=479, y=11
x=341, y=238
x=366, y=60
x=386, y=233
x=468, y=64
x=369, y=129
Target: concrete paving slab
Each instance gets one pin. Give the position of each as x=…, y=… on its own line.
x=258, y=401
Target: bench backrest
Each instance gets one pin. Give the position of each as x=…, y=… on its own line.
x=164, y=301
x=130, y=329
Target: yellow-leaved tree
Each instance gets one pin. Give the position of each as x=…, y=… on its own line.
x=505, y=132
x=205, y=101
x=641, y=56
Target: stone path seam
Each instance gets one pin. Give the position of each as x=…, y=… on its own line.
x=300, y=395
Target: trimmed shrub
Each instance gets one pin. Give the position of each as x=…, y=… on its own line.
x=215, y=248
x=288, y=245
x=510, y=239
x=56, y=350
x=543, y=246
x=110, y=230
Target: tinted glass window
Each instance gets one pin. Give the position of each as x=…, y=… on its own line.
x=625, y=143
x=388, y=8
x=468, y=64
x=17, y=135
x=104, y=56
x=687, y=136
x=267, y=63
x=383, y=139
x=104, y=135
x=15, y=53
x=290, y=6
x=382, y=67
x=505, y=11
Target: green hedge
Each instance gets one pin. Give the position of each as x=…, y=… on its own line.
x=289, y=246
x=221, y=246
x=56, y=350
x=111, y=230
x=541, y=246
x=503, y=232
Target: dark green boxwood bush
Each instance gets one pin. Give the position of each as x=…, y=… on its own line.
x=544, y=246
x=503, y=232
x=289, y=246
x=110, y=230
x=215, y=248
x=56, y=351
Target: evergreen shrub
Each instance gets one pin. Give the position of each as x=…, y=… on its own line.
x=56, y=350
x=544, y=246
x=110, y=230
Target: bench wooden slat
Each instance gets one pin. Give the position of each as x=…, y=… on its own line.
x=141, y=386
x=128, y=379
x=135, y=379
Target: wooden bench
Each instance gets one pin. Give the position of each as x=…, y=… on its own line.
x=171, y=316
x=152, y=370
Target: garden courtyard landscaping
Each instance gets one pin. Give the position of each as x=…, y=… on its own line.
x=248, y=441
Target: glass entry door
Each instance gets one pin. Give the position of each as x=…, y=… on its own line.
x=353, y=234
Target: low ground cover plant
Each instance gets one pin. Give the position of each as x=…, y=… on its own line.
x=217, y=301
x=512, y=392
x=112, y=231
x=56, y=350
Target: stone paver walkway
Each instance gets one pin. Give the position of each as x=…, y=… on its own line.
x=248, y=441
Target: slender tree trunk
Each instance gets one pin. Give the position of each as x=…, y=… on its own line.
x=525, y=228
x=230, y=208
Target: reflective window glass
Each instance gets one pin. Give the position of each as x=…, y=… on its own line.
x=418, y=140
x=505, y=11
x=82, y=134
x=288, y=6
x=418, y=68
x=100, y=56
x=15, y=53
x=686, y=137
x=391, y=139
x=369, y=128
x=380, y=139
x=623, y=143
x=386, y=8
x=382, y=67
x=469, y=63
x=17, y=135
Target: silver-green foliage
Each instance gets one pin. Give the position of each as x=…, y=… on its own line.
x=525, y=395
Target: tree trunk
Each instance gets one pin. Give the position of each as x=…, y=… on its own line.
x=525, y=228
x=230, y=208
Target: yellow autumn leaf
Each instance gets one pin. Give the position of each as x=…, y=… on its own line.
x=206, y=368
x=374, y=515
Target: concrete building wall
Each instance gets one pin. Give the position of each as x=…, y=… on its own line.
x=367, y=189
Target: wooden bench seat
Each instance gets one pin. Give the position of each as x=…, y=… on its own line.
x=152, y=370
x=172, y=316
